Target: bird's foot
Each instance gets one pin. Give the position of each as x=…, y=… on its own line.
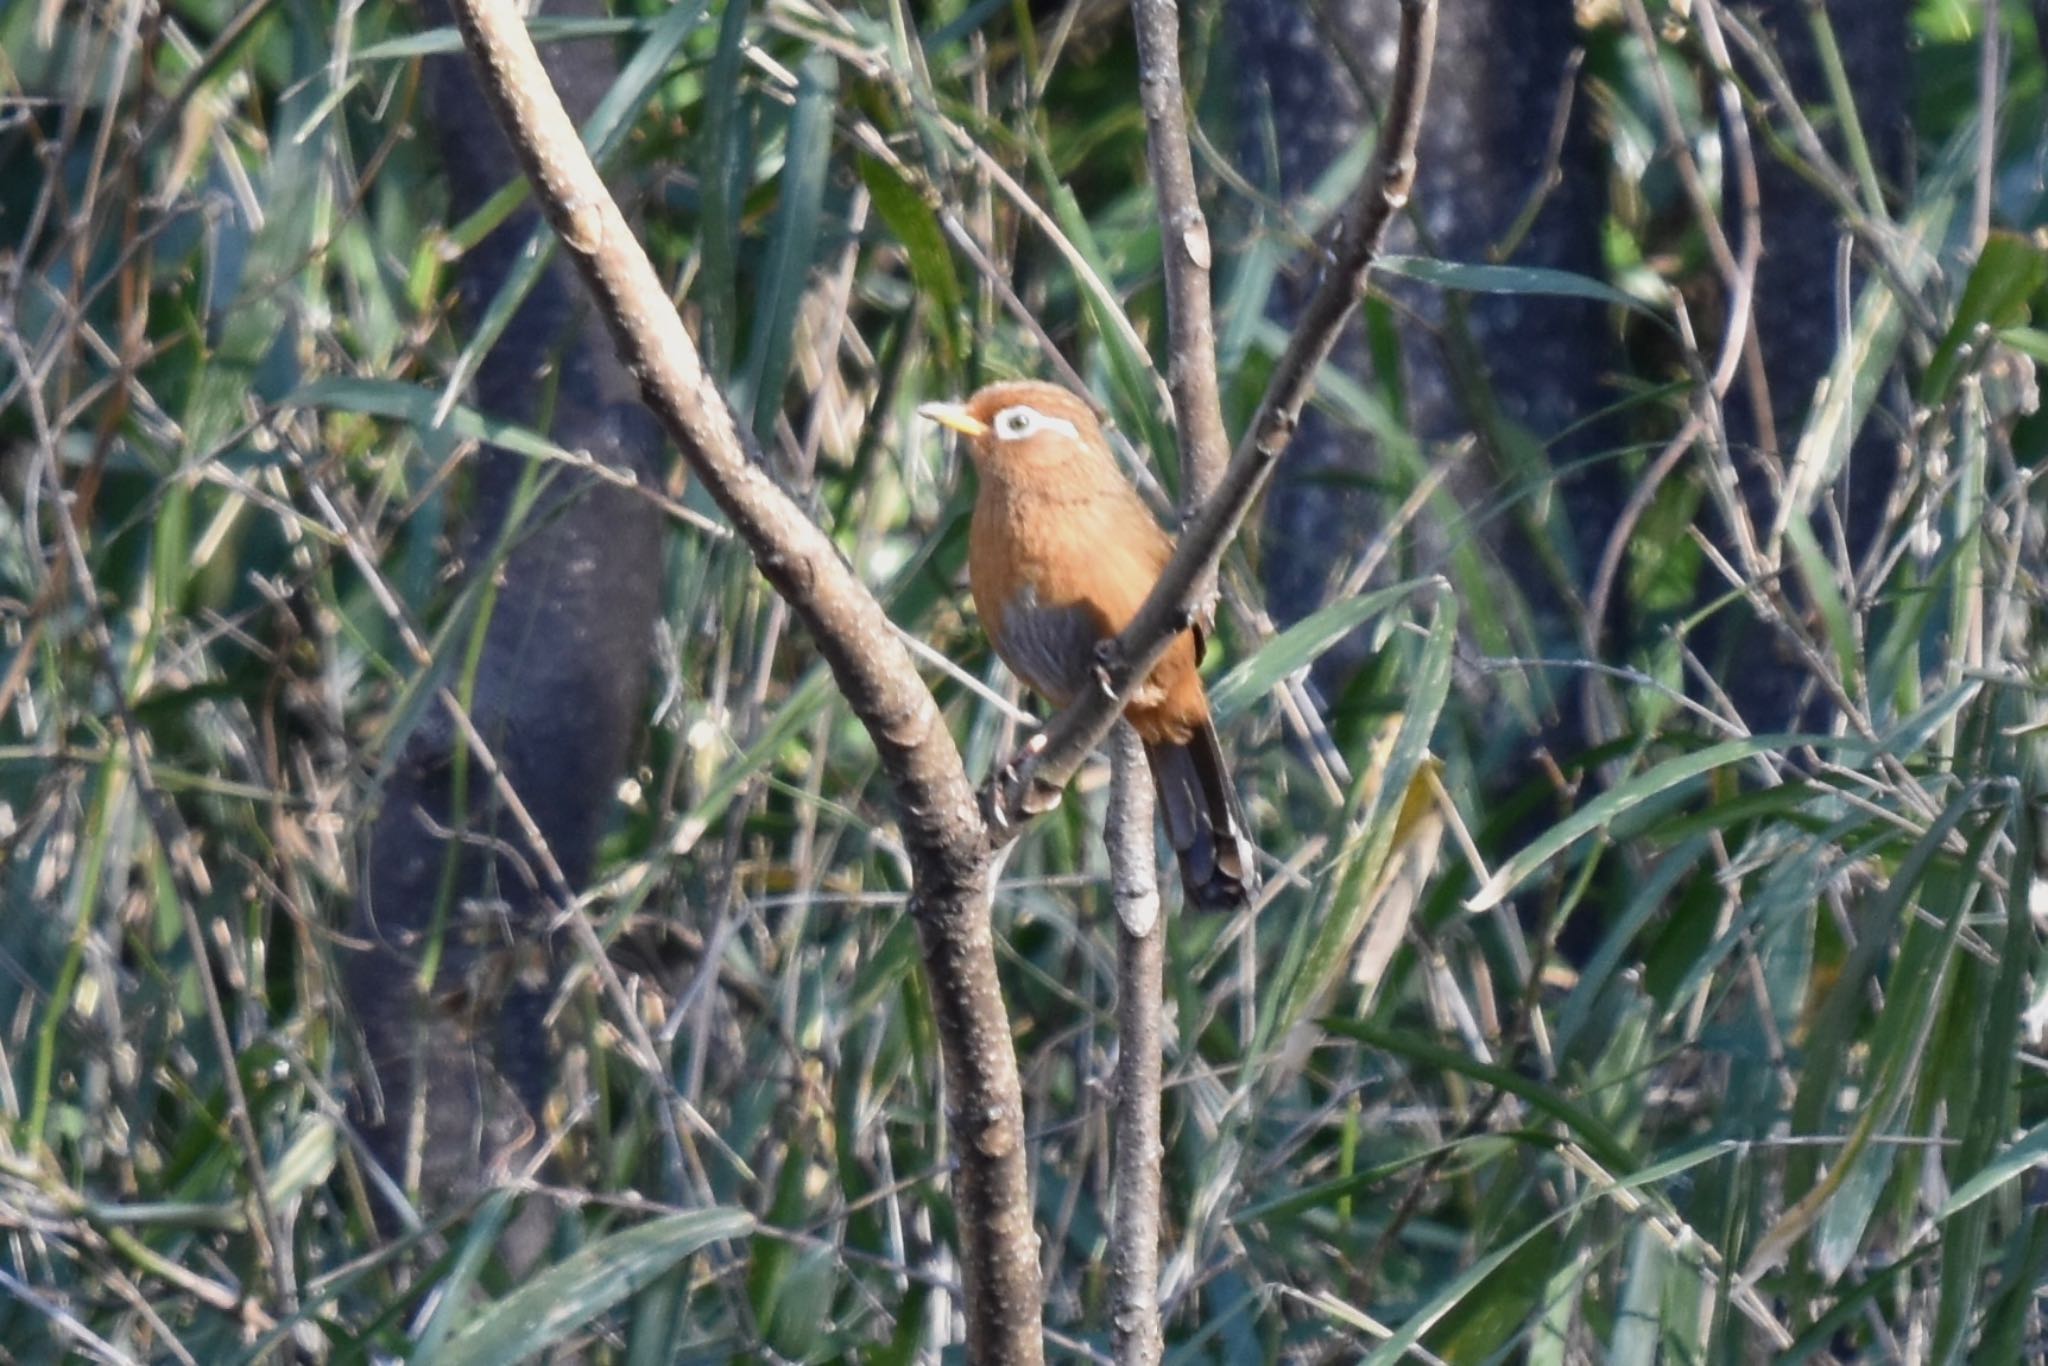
x=1109, y=663
x=1012, y=794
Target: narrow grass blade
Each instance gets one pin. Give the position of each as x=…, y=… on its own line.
x=916, y=227
x=1587, y=1129
x=603, y=134
x=1609, y=805
x=1299, y=646
x=1373, y=841
x=1396, y=1348
x=1477, y=279
x=785, y=274
x=727, y=125
x=567, y=1296
x=2009, y=272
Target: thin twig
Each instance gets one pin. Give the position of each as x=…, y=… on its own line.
x=181, y=858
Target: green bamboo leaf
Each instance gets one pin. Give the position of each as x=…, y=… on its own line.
x=1838, y=1208
x=1819, y=577
x=1130, y=364
x=794, y=243
x=1477, y=279
x=904, y=1344
x=1255, y=268
x=1395, y=1349
x=563, y=1298
x=1550, y=1341
x=939, y=293
x=1498, y=1310
x=1325, y=1195
x=436, y=42
x=1637, y=1323
x=468, y=1260
x=1843, y=399
x=1838, y=1232
x=1645, y=900
x=1256, y=264
x=245, y=301
x=786, y=1285
x=1984, y=1100
x=1857, y=1297
x=1916, y=730
x=1311, y=972
x=2009, y=272
x=2030, y=342
x=415, y=406
x=1588, y=1130
x=1833, y=1030
x=2025, y=1153
x=1301, y=645
x=958, y=30
x=1604, y=809
x=1355, y=404
x=2011, y=1321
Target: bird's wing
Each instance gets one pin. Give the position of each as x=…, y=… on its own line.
x=1052, y=648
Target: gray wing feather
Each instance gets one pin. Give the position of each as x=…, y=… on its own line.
x=1051, y=648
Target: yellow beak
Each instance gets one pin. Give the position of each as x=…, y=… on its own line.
x=956, y=416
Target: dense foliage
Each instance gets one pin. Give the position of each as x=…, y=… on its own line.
x=1686, y=1044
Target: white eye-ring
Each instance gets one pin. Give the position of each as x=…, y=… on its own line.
x=1015, y=424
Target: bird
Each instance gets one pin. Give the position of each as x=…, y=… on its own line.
x=1062, y=552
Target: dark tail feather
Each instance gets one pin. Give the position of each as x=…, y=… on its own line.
x=1204, y=822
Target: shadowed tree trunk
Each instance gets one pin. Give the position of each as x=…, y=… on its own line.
x=1509, y=173
x=1799, y=301
x=460, y=1066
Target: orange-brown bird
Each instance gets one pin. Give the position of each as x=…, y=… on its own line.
x=1061, y=555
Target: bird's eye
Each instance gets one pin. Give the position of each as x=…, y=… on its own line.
x=1013, y=424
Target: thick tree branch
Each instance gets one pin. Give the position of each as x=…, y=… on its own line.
x=948, y=846
x=1140, y=964
x=1183, y=254
x=1080, y=727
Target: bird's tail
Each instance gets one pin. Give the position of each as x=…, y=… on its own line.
x=1204, y=822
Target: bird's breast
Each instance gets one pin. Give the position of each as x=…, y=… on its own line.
x=1054, y=573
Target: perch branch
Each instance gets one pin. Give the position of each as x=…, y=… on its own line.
x=1140, y=964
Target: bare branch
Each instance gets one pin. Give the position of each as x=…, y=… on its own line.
x=1183, y=254
x=948, y=846
x=1140, y=961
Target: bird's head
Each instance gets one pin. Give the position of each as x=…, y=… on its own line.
x=1023, y=425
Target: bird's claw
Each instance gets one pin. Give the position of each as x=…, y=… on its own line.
x=1108, y=660
x=1010, y=791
